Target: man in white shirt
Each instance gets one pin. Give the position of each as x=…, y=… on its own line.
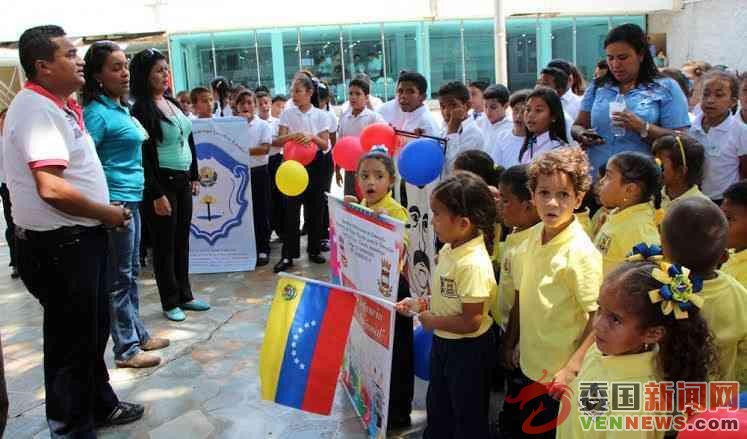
x=496, y=126
x=60, y=200
x=461, y=131
x=557, y=80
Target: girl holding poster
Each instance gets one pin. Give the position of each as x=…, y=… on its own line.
x=463, y=350
x=376, y=177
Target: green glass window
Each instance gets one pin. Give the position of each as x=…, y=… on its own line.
x=403, y=50
x=521, y=38
x=363, y=54
x=445, y=48
x=479, y=50
x=320, y=48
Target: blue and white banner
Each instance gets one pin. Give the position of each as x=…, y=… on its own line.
x=222, y=231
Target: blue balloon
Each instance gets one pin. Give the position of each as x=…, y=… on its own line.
x=421, y=161
x=421, y=342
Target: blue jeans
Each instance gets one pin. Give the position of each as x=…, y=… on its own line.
x=128, y=331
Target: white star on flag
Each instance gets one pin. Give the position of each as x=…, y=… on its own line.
x=313, y=323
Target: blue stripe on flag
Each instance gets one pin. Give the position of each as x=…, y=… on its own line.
x=299, y=350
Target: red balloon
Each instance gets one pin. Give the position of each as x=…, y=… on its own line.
x=347, y=152
x=302, y=153
x=378, y=134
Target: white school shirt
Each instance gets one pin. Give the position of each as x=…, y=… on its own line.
x=227, y=111
x=571, y=104
x=543, y=144
x=331, y=128
x=723, y=145
x=2, y=171
x=41, y=132
x=494, y=133
x=468, y=137
x=259, y=133
x=507, y=154
x=313, y=121
x=421, y=118
x=568, y=126
x=273, y=122
x=375, y=102
x=351, y=125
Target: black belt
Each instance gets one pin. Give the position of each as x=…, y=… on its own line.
x=62, y=233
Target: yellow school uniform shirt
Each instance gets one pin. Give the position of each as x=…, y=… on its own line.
x=498, y=246
x=598, y=220
x=585, y=219
x=510, y=270
x=638, y=368
x=559, y=286
x=622, y=231
x=666, y=202
x=463, y=275
x=736, y=267
x=392, y=208
x=725, y=311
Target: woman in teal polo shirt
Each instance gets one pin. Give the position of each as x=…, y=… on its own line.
x=119, y=138
x=655, y=105
x=170, y=166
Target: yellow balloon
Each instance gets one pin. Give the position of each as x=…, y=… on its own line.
x=292, y=178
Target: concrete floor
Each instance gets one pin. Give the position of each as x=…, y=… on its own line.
x=207, y=385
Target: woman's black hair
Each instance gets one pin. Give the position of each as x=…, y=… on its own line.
x=633, y=36
x=383, y=157
x=517, y=178
x=557, y=128
x=640, y=169
x=465, y=194
x=144, y=107
x=95, y=59
x=479, y=163
x=694, y=156
x=222, y=87
x=687, y=349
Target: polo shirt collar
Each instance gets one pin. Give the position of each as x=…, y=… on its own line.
x=624, y=367
x=110, y=103
x=724, y=126
x=466, y=248
x=573, y=229
x=384, y=202
x=516, y=237
x=68, y=104
x=738, y=258
x=626, y=214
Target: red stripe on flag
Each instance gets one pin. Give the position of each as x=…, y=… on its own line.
x=327, y=358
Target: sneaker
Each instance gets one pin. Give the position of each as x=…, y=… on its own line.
x=317, y=259
x=123, y=413
x=14, y=273
x=196, y=305
x=175, y=314
x=155, y=343
x=283, y=265
x=139, y=361
x=262, y=259
x=324, y=245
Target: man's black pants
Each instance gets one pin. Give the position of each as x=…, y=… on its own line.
x=65, y=270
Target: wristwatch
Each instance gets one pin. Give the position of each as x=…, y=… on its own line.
x=644, y=131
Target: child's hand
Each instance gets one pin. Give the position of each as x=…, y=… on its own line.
x=456, y=118
x=427, y=319
x=408, y=307
x=350, y=199
x=560, y=381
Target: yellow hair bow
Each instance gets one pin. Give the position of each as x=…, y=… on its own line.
x=678, y=292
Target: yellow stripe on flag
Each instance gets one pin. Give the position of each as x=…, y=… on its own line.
x=287, y=297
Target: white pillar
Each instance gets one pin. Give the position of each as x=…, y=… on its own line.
x=499, y=34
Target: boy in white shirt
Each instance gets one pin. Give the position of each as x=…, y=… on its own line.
x=352, y=121
x=260, y=138
x=571, y=101
x=461, y=131
x=721, y=133
x=477, y=98
x=494, y=123
x=265, y=109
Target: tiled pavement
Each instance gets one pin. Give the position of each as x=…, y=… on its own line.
x=207, y=385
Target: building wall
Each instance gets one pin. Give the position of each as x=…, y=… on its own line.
x=711, y=30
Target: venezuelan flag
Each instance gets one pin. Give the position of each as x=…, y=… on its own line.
x=304, y=344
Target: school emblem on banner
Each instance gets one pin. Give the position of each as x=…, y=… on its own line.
x=221, y=204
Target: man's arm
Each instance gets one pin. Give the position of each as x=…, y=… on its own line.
x=58, y=193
